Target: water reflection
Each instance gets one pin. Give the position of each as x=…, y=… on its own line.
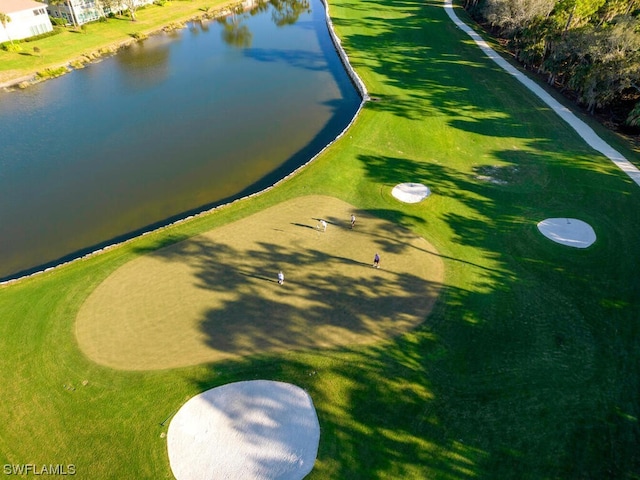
x=166, y=128
x=144, y=67
x=287, y=12
x=234, y=32
x=284, y=12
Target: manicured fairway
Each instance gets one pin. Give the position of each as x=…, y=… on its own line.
x=216, y=296
x=527, y=366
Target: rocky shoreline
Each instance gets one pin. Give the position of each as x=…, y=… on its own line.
x=357, y=82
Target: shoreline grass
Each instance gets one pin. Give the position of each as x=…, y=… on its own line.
x=528, y=366
x=75, y=47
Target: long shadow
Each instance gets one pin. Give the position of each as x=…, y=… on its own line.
x=519, y=375
x=308, y=309
x=529, y=370
x=297, y=58
x=386, y=409
x=521, y=349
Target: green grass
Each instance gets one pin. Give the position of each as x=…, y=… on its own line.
x=528, y=366
x=215, y=296
x=75, y=45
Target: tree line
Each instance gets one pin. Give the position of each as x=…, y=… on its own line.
x=587, y=48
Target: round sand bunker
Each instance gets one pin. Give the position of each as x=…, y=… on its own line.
x=568, y=231
x=410, y=192
x=250, y=430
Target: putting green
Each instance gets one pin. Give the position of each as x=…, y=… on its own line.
x=216, y=296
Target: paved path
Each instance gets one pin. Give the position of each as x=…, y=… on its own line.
x=589, y=136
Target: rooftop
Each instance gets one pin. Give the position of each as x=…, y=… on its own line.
x=12, y=6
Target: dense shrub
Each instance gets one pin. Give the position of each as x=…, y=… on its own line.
x=52, y=33
x=56, y=21
x=589, y=49
x=11, y=47
x=52, y=72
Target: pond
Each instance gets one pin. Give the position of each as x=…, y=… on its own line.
x=170, y=126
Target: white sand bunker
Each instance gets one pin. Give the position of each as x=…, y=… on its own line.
x=568, y=231
x=247, y=430
x=410, y=192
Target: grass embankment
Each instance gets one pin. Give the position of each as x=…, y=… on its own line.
x=528, y=366
x=79, y=45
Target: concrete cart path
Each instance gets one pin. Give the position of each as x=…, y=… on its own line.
x=589, y=136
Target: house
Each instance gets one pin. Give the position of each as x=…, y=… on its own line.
x=76, y=12
x=27, y=18
x=79, y=12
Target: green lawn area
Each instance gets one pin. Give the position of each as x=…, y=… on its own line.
x=528, y=366
x=97, y=38
x=215, y=296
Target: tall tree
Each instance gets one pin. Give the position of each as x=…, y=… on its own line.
x=470, y=4
x=132, y=5
x=590, y=47
x=606, y=62
x=106, y=5
x=66, y=3
x=613, y=8
x=512, y=15
x=4, y=19
x=577, y=13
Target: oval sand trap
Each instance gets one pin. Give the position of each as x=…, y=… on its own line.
x=216, y=296
x=568, y=231
x=410, y=192
x=247, y=430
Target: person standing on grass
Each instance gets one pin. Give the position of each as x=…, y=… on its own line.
x=280, y=277
x=376, y=261
x=353, y=220
x=323, y=224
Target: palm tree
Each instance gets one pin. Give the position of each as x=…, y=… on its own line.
x=67, y=3
x=4, y=19
x=132, y=5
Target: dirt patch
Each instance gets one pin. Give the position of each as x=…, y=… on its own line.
x=496, y=174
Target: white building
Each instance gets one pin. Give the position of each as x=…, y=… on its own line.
x=27, y=19
x=78, y=12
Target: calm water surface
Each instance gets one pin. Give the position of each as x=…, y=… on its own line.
x=166, y=127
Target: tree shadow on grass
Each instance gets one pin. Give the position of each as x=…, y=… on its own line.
x=496, y=384
x=518, y=348
x=221, y=288
x=432, y=404
x=514, y=367
x=528, y=372
x=506, y=375
x=327, y=299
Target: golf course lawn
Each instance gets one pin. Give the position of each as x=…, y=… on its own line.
x=216, y=296
x=94, y=40
x=527, y=366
